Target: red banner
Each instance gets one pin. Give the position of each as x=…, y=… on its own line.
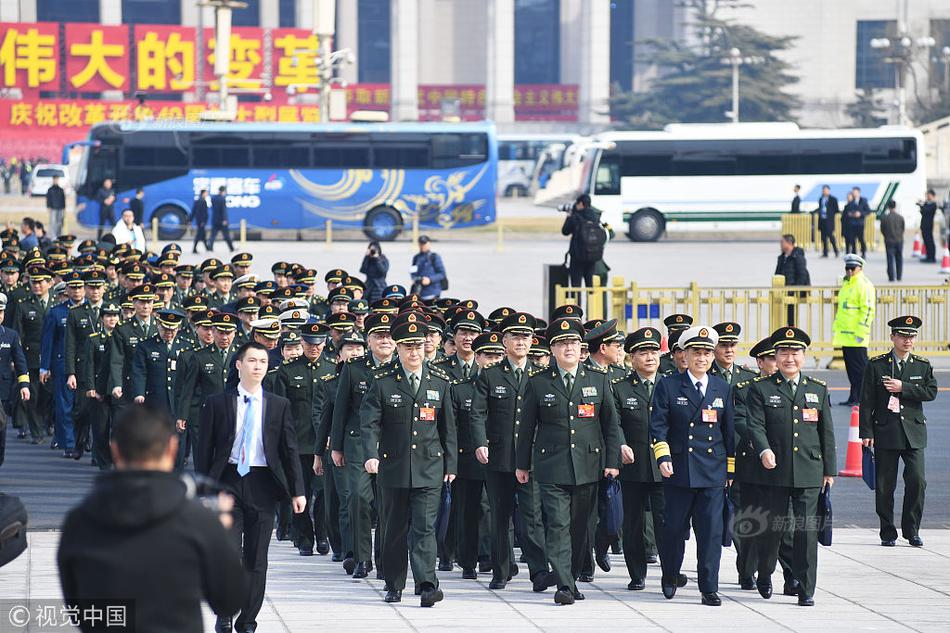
x=246, y=65
x=29, y=55
x=97, y=57
x=165, y=58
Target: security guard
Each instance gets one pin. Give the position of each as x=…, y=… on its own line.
x=28, y=320
x=673, y=323
x=893, y=423
x=694, y=446
x=346, y=443
x=724, y=364
x=497, y=417
x=570, y=441
x=788, y=419
x=93, y=381
x=12, y=369
x=409, y=439
x=156, y=362
x=640, y=477
x=126, y=338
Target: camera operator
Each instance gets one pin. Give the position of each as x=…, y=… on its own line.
x=588, y=238
x=375, y=266
x=138, y=536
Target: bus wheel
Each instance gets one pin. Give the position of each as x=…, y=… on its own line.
x=646, y=225
x=383, y=224
x=172, y=222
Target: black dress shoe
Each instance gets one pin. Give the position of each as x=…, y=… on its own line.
x=669, y=589
x=585, y=578
x=764, y=587
x=888, y=543
x=446, y=565
x=305, y=551
x=846, y=403
x=484, y=566
x=652, y=559
x=636, y=584
x=577, y=594
x=711, y=599
x=250, y=628
x=915, y=541
x=513, y=570
x=497, y=584
x=681, y=580
x=67, y=454
x=563, y=596
x=349, y=564
x=805, y=601
x=223, y=625
x=393, y=595
x=469, y=574
x=323, y=547
x=791, y=587
x=430, y=595
x=542, y=580
x=616, y=548
x=21, y=435
x=747, y=584
x=362, y=569
x=283, y=534
x=603, y=561
x=77, y=453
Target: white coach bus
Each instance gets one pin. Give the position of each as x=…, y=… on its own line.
x=649, y=182
x=518, y=155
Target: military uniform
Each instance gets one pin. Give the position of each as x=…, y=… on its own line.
x=94, y=375
x=29, y=316
x=898, y=426
x=155, y=366
x=82, y=321
x=13, y=371
x=126, y=338
x=796, y=425
x=52, y=355
x=334, y=477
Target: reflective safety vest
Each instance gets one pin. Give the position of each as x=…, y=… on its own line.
x=855, y=312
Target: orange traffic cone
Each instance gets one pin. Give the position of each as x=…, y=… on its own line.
x=917, y=246
x=945, y=262
x=852, y=464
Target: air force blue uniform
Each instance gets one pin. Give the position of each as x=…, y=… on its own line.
x=695, y=433
x=53, y=360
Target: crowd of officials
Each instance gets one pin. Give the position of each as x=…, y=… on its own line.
x=331, y=415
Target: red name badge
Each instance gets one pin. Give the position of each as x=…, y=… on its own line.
x=710, y=416
x=585, y=410
x=427, y=414
x=810, y=415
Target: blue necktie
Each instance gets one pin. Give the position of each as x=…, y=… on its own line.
x=247, y=437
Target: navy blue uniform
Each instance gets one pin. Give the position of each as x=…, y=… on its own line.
x=53, y=360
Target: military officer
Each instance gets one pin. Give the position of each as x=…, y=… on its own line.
x=570, y=441
x=724, y=364
x=13, y=369
x=673, y=323
x=156, y=360
x=694, y=445
x=184, y=276
x=346, y=441
x=640, y=477
x=788, y=419
x=465, y=327
x=92, y=382
x=126, y=338
x=222, y=277
x=28, y=320
x=409, y=439
x=896, y=385
x=82, y=321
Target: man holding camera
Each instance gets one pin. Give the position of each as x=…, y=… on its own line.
x=588, y=238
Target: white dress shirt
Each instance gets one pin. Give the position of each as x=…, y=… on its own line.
x=693, y=380
x=256, y=458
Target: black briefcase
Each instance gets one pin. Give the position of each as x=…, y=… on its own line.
x=12, y=528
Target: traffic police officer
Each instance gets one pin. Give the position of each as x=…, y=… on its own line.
x=409, y=439
x=896, y=385
x=789, y=422
x=570, y=441
x=694, y=445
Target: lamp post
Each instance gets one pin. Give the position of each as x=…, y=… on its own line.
x=222, y=45
x=902, y=50
x=735, y=60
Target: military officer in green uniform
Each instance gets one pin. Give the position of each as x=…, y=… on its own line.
x=409, y=439
x=93, y=380
x=126, y=338
x=570, y=441
x=28, y=321
x=222, y=277
x=725, y=365
x=465, y=327
x=640, y=477
x=156, y=362
x=788, y=419
x=673, y=323
x=82, y=321
x=896, y=385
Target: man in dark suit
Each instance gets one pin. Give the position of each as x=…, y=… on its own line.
x=199, y=215
x=852, y=222
x=248, y=441
x=825, y=215
x=692, y=426
x=219, y=219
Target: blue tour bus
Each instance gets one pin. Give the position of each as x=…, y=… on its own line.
x=297, y=176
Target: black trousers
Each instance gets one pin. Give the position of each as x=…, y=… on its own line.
x=82, y=423
x=886, y=461
x=225, y=231
x=502, y=488
x=599, y=538
x=3, y=433
x=703, y=507
x=855, y=361
x=100, y=413
x=255, y=502
x=331, y=507
x=927, y=234
x=895, y=260
x=637, y=496
x=38, y=410
x=804, y=527
x=567, y=511
x=827, y=230
x=308, y=526
x=851, y=238
x=449, y=546
x=467, y=500
x=187, y=443
x=408, y=517
x=106, y=221
x=200, y=238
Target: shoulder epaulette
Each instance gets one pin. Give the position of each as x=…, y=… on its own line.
x=536, y=371
x=820, y=382
x=439, y=373
x=744, y=383
x=758, y=378
x=386, y=371
x=91, y=334
x=881, y=357
x=919, y=358
x=599, y=370
x=327, y=377
x=615, y=381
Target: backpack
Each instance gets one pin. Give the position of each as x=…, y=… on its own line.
x=592, y=239
x=445, y=280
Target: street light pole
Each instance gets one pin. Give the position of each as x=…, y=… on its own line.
x=222, y=45
x=324, y=26
x=735, y=55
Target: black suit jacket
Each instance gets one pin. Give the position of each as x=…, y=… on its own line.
x=218, y=429
x=199, y=211
x=219, y=210
x=831, y=210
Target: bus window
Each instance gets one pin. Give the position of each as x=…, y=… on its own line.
x=348, y=157
x=102, y=164
x=607, y=180
x=292, y=156
x=400, y=156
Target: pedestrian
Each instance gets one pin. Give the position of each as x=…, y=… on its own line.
x=258, y=463
x=409, y=442
x=427, y=271
x=375, y=266
x=126, y=231
x=219, y=219
x=13, y=369
x=588, y=239
x=43, y=240
x=893, y=424
x=112, y=551
x=56, y=205
x=692, y=425
x=199, y=215
x=137, y=205
x=106, y=198
x=28, y=239
x=928, y=209
x=825, y=215
x=788, y=419
x=26, y=171
x=852, y=222
x=852, y=325
x=792, y=265
x=796, y=200
x=892, y=230
x=566, y=407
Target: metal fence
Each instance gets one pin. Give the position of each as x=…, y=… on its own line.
x=804, y=226
x=762, y=310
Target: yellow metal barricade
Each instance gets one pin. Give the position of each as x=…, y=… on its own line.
x=804, y=226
